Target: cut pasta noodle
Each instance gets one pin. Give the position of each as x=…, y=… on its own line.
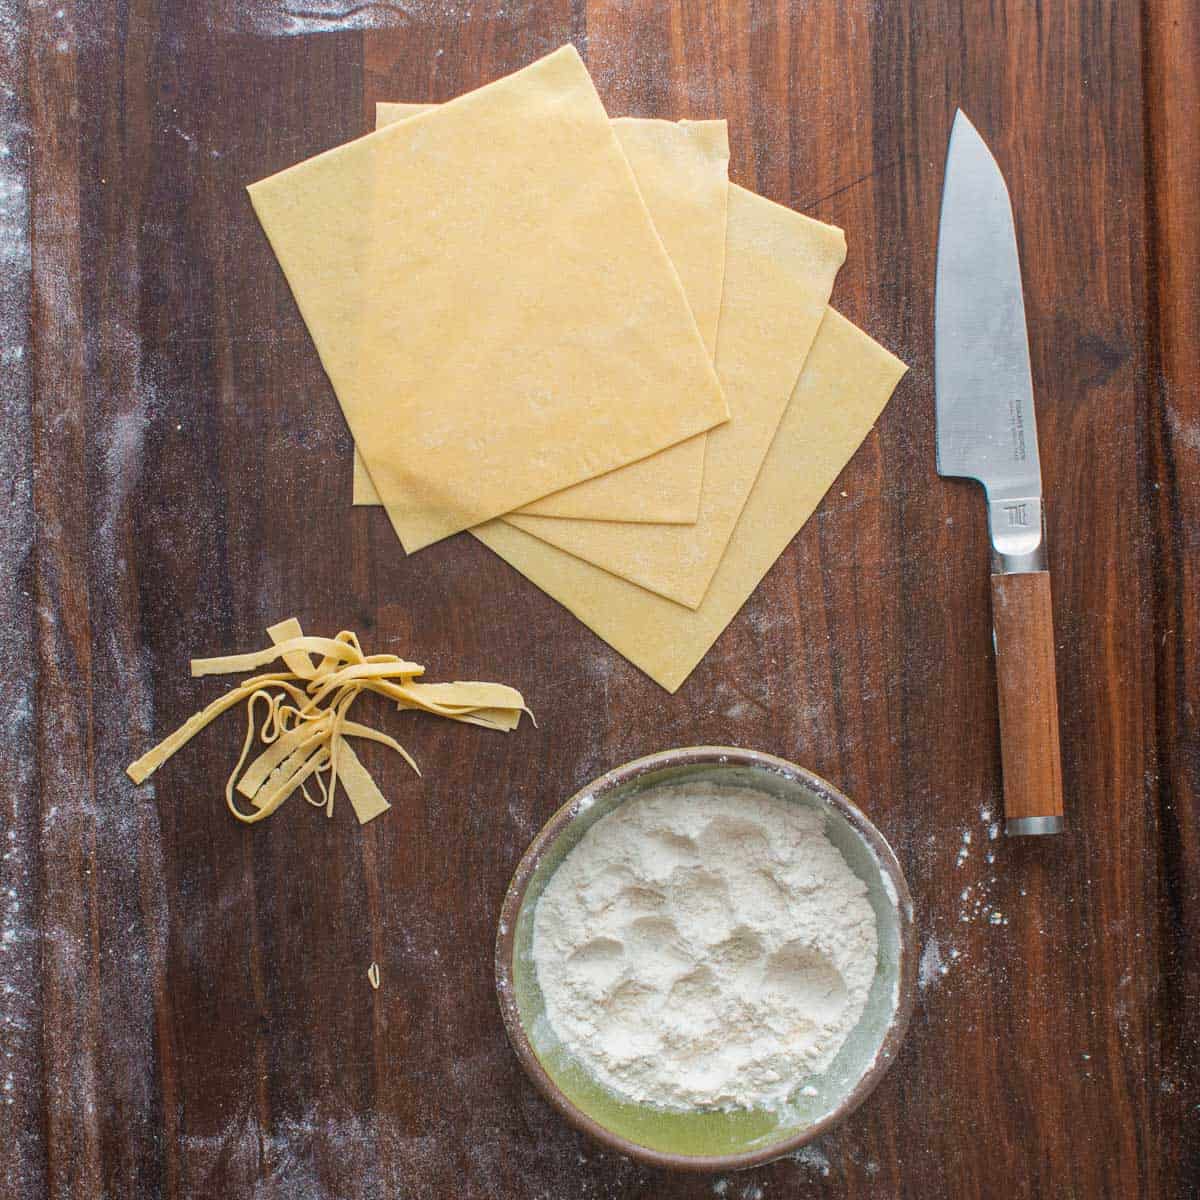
x=304, y=729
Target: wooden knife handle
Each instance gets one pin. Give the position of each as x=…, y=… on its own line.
x=1024, y=630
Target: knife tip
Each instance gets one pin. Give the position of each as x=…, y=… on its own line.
x=962, y=121
x=967, y=142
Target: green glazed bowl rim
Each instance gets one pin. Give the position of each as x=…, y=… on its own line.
x=619, y=777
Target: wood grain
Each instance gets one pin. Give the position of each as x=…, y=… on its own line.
x=185, y=1010
x=1171, y=437
x=1027, y=692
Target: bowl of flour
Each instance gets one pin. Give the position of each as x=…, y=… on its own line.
x=706, y=958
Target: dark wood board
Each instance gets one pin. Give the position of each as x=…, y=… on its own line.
x=185, y=1011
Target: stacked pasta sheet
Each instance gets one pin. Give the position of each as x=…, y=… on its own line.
x=574, y=337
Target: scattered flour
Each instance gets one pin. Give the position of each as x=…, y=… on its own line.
x=705, y=947
x=1186, y=432
x=814, y=1158
x=22, y=1096
x=932, y=967
x=283, y=18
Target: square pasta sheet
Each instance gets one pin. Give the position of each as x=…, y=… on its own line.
x=843, y=388
x=779, y=272
x=490, y=299
x=681, y=170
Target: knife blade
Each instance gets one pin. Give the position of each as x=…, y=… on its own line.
x=987, y=431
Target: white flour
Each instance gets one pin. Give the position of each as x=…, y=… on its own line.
x=705, y=947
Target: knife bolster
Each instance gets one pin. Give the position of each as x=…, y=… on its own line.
x=1022, y=622
x=1017, y=525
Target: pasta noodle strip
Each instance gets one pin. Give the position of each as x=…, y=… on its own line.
x=365, y=797
x=233, y=664
x=350, y=729
x=145, y=766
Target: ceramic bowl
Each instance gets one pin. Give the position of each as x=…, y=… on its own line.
x=710, y=1140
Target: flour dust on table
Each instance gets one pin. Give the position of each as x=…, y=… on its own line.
x=705, y=947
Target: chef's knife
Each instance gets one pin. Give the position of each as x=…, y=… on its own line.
x=986, y=431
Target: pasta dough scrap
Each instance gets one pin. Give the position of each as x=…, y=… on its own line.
x=778, y=276
x=306, y=738
x=497, y=326
x=682, y=172
x=846, y=381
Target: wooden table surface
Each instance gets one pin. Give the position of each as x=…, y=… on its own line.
x=185, y=1011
